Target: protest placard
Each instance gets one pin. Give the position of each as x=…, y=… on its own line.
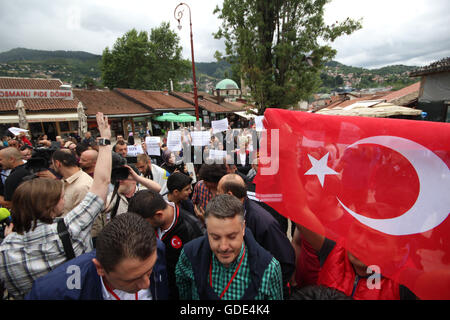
x=258, y=123
x=174, y=140
x=219, y=125
x=153, y=148
x=200, y=138
x=133, y=151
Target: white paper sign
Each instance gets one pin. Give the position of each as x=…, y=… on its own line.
x=217, y=154
x=219, y=125
x=200, y=138
x=174, y=140
x=259, y=123
x=133, y=151
x=190, y=169
x=153, y=148
x=16, y=131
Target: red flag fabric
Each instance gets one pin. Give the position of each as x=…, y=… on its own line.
x=383, y=185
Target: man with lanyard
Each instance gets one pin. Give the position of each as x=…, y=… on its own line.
x=227, y=263
x=128, y=264
x=264, y=227
x=173, y=226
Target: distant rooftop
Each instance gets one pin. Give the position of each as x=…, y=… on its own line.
x=442, y=65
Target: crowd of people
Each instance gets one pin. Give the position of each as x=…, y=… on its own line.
x=87, y=221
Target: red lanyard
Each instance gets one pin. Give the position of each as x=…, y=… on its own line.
x=114, y=294
x=232, y=277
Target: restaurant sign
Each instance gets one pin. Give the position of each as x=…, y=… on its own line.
x=35, y=94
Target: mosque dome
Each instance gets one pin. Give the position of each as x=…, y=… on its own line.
x=227, y=84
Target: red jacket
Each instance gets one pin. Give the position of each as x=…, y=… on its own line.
x=337, y=272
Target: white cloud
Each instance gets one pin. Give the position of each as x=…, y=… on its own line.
x=412, y=32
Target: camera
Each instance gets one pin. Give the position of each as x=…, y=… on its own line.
x=179, y=165
x=37, y=164
x=39, y=161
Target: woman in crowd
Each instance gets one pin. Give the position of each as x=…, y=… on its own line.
x=32, y=246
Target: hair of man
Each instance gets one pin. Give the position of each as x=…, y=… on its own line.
x=146, y=203
x=224, y=206
x=119, y=143
x=12, y=152
x=142, y=158
x=177, y=181
x=318, y=292
x=212, y=172
x=233, y=183
x=66, y=158
x=126, y=236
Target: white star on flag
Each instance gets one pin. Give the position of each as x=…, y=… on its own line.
x=320, y=168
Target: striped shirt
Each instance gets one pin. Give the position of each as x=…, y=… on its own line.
x=271, y=287
x=24, y=258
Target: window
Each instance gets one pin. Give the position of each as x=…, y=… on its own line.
x=64, y=126
x=68, y=126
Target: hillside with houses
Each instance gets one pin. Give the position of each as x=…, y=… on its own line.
x=79, y=68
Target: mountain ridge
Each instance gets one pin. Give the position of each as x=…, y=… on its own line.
x=75, y=66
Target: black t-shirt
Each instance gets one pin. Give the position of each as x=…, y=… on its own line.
x=185, y=229
x=14, y=179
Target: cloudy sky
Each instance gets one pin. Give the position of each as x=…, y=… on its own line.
x=410, y=32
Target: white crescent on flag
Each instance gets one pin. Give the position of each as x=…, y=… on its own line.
x=432, y=205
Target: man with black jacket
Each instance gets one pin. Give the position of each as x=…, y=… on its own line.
x=174, y=227
x=128, y=264
x=264, y=227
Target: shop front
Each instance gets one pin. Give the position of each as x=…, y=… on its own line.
x=51, y=124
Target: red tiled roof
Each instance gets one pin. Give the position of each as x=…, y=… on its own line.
x=241, y=106
x=8, y=105
x=156, y=100
x=108, y=102
x=232, y=106
x=39, y=104
x=29, y=83
x=204, y=103
x=442, y=65
x=412, y=91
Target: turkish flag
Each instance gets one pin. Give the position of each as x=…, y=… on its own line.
x=383, y=185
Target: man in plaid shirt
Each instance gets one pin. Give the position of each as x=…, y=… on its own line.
x=227, y=263
x=205, y=189
x=32, y=246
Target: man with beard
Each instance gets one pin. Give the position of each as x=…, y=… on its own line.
x=227, y=263
x=152, y=171
x=117, y=200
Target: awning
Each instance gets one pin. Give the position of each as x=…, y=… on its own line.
x=41, y=117
x=381, y=110
x=246, y=115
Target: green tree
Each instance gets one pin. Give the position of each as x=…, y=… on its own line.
x=269, y=44
x=142, y=61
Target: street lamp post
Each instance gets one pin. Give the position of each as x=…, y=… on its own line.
x=178, y=15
